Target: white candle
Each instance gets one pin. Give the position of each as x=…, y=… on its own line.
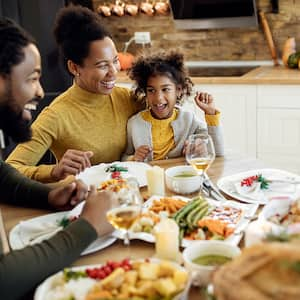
x=167, y=240
x=156, y=181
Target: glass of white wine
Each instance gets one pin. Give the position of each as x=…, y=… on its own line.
x=127, y=209
x=200, y=153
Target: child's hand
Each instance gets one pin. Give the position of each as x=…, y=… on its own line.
x=205, y=102
x=141, y=153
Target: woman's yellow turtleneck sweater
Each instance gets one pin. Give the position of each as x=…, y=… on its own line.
x=77, y=119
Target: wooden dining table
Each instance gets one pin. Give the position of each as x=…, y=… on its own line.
x=230, y=164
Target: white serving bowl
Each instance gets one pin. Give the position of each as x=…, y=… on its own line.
x=201, y=275
x=182, y=185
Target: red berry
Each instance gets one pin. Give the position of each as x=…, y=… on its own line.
x=126, y=267
x=125, y=261
x=107, y=270
x=115, y=265
x=101, y=274
x=116, y=175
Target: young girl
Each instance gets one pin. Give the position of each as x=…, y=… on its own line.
x=160, y=131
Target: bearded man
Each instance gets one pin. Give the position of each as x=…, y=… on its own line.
x=20, y=71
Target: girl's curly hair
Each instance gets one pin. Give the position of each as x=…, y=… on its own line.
x=166, y=63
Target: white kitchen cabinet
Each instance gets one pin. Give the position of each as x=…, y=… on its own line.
x=237, y=104
x=278, y=126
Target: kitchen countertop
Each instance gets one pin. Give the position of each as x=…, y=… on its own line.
x=260, y=75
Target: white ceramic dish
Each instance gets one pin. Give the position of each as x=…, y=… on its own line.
x=201, y=275
x=95, y=175
x=248, y=211
x=47, y=284
x=16, y=241
x=282, y=184
x=182, y=185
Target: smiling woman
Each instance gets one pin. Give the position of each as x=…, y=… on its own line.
x=77, y=126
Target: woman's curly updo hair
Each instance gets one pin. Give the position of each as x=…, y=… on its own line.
x=13, y=40
x=74, y=29
x=166, y=63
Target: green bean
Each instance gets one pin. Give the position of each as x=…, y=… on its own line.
x=190, y=217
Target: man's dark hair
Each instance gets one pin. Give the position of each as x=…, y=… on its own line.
x=13, y=39
x=75, y=28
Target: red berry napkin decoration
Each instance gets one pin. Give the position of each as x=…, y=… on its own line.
x=248, y=181
x=116, y=171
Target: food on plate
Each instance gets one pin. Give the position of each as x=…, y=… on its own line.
x=211, y=260
x=220, y=222
x=199, y=220
x=292, y=215
x=142, y=279
x=145, y=222
x=116, y=171
x=169, y=204
x=114, y=185
x=266, y=271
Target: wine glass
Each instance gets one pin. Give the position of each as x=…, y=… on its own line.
x=200, y=153
x=127, y=208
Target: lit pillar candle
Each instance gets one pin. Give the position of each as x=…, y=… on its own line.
x=167, y=240
x=156, y=181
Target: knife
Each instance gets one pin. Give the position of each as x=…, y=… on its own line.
x=211, y=190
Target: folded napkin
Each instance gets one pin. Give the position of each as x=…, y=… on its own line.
x=275, y=189
x=253, y=192
x=34, y=232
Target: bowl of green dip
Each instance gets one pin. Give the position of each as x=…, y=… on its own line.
x=182, y=179
x=201, y=258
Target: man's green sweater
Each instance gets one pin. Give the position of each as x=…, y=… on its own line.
x=21, y=270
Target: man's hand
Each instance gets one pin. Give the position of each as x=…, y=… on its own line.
x=205, y=102
x=141, y=153
x=96, y=206
x=68, y=196
x=72, y=163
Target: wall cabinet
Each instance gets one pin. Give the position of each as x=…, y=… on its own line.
x=262, y=121
x=278, y=126
x=238, y=106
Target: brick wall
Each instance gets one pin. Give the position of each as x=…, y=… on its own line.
x=220, y=44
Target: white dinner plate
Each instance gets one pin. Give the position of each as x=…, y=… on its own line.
x=280, y=186
x=17, y=241
x=248, y=211
x=95, y=175
x=51, y=282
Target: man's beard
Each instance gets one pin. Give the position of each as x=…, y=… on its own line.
x=12, y=122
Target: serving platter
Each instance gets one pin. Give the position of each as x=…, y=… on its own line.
x=280, y=184
x=247, y=212
x=78, y=288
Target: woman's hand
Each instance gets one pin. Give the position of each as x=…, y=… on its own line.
x=205, y=102
x=96, y=206
x=141, y=153
x=72, y=163
x=68, y=196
